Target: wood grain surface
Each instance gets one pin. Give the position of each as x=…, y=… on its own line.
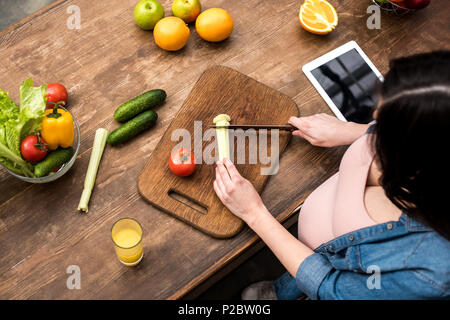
x=110, y=60
x=219, y=90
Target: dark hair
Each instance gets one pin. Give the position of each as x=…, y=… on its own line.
x=412, y=138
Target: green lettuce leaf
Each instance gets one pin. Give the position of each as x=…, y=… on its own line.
x=9, y=120
x=14, y=162
x=8, y=108
x=17, y=123
x=32, y=107
x=32, y=99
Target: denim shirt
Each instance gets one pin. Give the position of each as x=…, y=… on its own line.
x=401, y=259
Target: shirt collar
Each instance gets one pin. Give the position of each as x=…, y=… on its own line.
x=413, y=225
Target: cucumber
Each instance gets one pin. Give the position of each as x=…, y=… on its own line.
x=128, y=130
x=145, y=101
x=54, y=160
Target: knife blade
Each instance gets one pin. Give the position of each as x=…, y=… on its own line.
x=286, y=127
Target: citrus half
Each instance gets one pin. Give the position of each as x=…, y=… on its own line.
x=318, y=16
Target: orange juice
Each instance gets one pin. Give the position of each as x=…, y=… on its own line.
x=127, y=238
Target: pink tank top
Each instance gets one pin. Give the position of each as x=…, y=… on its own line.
x=337, y=206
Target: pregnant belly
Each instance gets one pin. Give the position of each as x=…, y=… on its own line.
x=315, y=218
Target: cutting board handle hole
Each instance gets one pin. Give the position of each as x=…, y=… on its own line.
x=193, y=204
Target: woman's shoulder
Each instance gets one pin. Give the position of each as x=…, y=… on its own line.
x=431, y=251
x=420, y=260
x=430, y=261
x=423, y=248
x=419, y=253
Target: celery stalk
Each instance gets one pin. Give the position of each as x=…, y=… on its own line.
x=96, y=155
x=222, y=135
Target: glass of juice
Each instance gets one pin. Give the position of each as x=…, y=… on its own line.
x=126, y=234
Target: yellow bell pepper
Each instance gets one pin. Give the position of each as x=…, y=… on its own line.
x=57, y=128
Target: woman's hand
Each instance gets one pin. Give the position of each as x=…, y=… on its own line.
x=237, y=193
x=323, y=130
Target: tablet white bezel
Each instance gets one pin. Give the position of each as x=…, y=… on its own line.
x=307, y=68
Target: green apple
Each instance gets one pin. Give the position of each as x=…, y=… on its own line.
x=188, y=10
x=147, y=13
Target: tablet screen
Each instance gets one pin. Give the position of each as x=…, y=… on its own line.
x=349, y=82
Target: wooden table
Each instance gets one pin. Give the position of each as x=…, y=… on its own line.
x=109, y=61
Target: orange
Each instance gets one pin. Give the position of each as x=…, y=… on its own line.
x=318, y=16
x=214, y=25
x=171, y=33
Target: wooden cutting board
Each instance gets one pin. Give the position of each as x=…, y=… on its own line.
x=192, y=199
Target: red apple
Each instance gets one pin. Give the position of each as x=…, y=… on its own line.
x=417, y=4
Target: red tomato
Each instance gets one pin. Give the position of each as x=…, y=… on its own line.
x=55, y=92
x=182, y=162
x=32, y=149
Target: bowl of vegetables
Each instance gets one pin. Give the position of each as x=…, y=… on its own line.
x=39, y=139
x=401, y=6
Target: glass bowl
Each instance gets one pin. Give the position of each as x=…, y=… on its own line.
x=394, y=7
x=65, y=167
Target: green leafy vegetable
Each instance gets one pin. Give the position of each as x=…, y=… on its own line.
x=32, y=107
x=17, y=123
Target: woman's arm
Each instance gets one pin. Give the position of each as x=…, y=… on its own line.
x=239, y=195
x=323, y=130
x=288, y=249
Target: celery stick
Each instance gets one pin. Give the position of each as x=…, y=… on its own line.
x=96, y=155
x=222, y=135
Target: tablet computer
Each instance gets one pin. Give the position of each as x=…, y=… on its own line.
x=346, y=79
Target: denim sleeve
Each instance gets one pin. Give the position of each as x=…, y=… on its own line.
x=311, y=273
x=318, y=279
